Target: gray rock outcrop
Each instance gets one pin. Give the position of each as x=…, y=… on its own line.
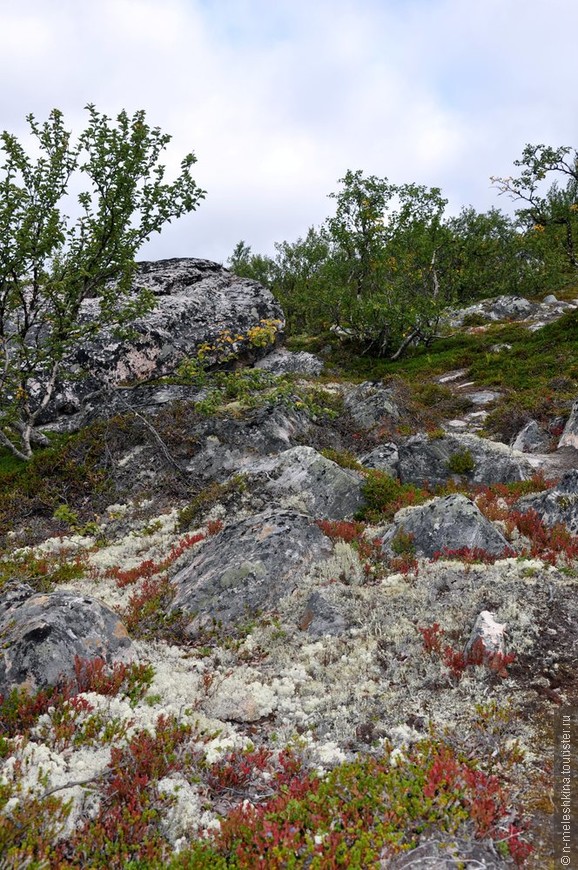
x=449, y=523
x=304, y=480
x=537, y=314
x=371, y=404
x=385, y=457
x=424, y=460
x=229, y=444
x=557, y=505
x=500, y=308
x=40, y=635
x=196, y=301
x=531, y=439
x=248, y=567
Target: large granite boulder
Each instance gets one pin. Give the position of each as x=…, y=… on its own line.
x=425, y=460
x=555, y=506
x=41, y=634
x=247, y=568
x=196, y=301
x=449, y=523
x=304, y=480
x=371, y=404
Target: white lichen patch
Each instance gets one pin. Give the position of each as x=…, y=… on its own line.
x=343, y=564
x=188, y=816
x=240, y=697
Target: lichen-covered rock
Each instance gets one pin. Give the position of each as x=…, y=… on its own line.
x=248, y=567
x=283, y=361
x=385, y=458
x=425, y=460
x=229, y=444
x=196, y=301
x=557, y=505
x=569, y=437
x=448, y=853
x=371, y=404
x=449, y=523
x=499, y=308
x=531, y=439
x=40, y=635
x=513, y=308
x=302, y=479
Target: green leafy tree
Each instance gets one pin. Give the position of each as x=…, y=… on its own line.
x=386, y=242
x=53, y=266
x=549, y=216
x=254, y=266
x=296, y=275
x=302, y=284
x=488, y=256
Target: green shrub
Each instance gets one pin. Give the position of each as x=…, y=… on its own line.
x=384, y=496
x=403, y=544
x=461, y=462
x=344, y=458
x=474, y=319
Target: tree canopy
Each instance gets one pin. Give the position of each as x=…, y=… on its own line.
x=386, y=263
x=51, y=264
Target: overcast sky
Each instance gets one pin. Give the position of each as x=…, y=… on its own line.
x=278, y=98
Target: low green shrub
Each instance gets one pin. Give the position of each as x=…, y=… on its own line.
x=461, y=462
x=384, y=496
x=344, y=458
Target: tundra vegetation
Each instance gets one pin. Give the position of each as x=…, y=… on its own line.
x=357, y=787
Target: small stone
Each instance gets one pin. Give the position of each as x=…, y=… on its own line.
x=371, y=404
x=320, y=617
x=490, y=632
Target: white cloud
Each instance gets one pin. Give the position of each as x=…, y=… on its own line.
x=279, y=99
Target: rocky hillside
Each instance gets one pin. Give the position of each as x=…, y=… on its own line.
x=263, y=606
